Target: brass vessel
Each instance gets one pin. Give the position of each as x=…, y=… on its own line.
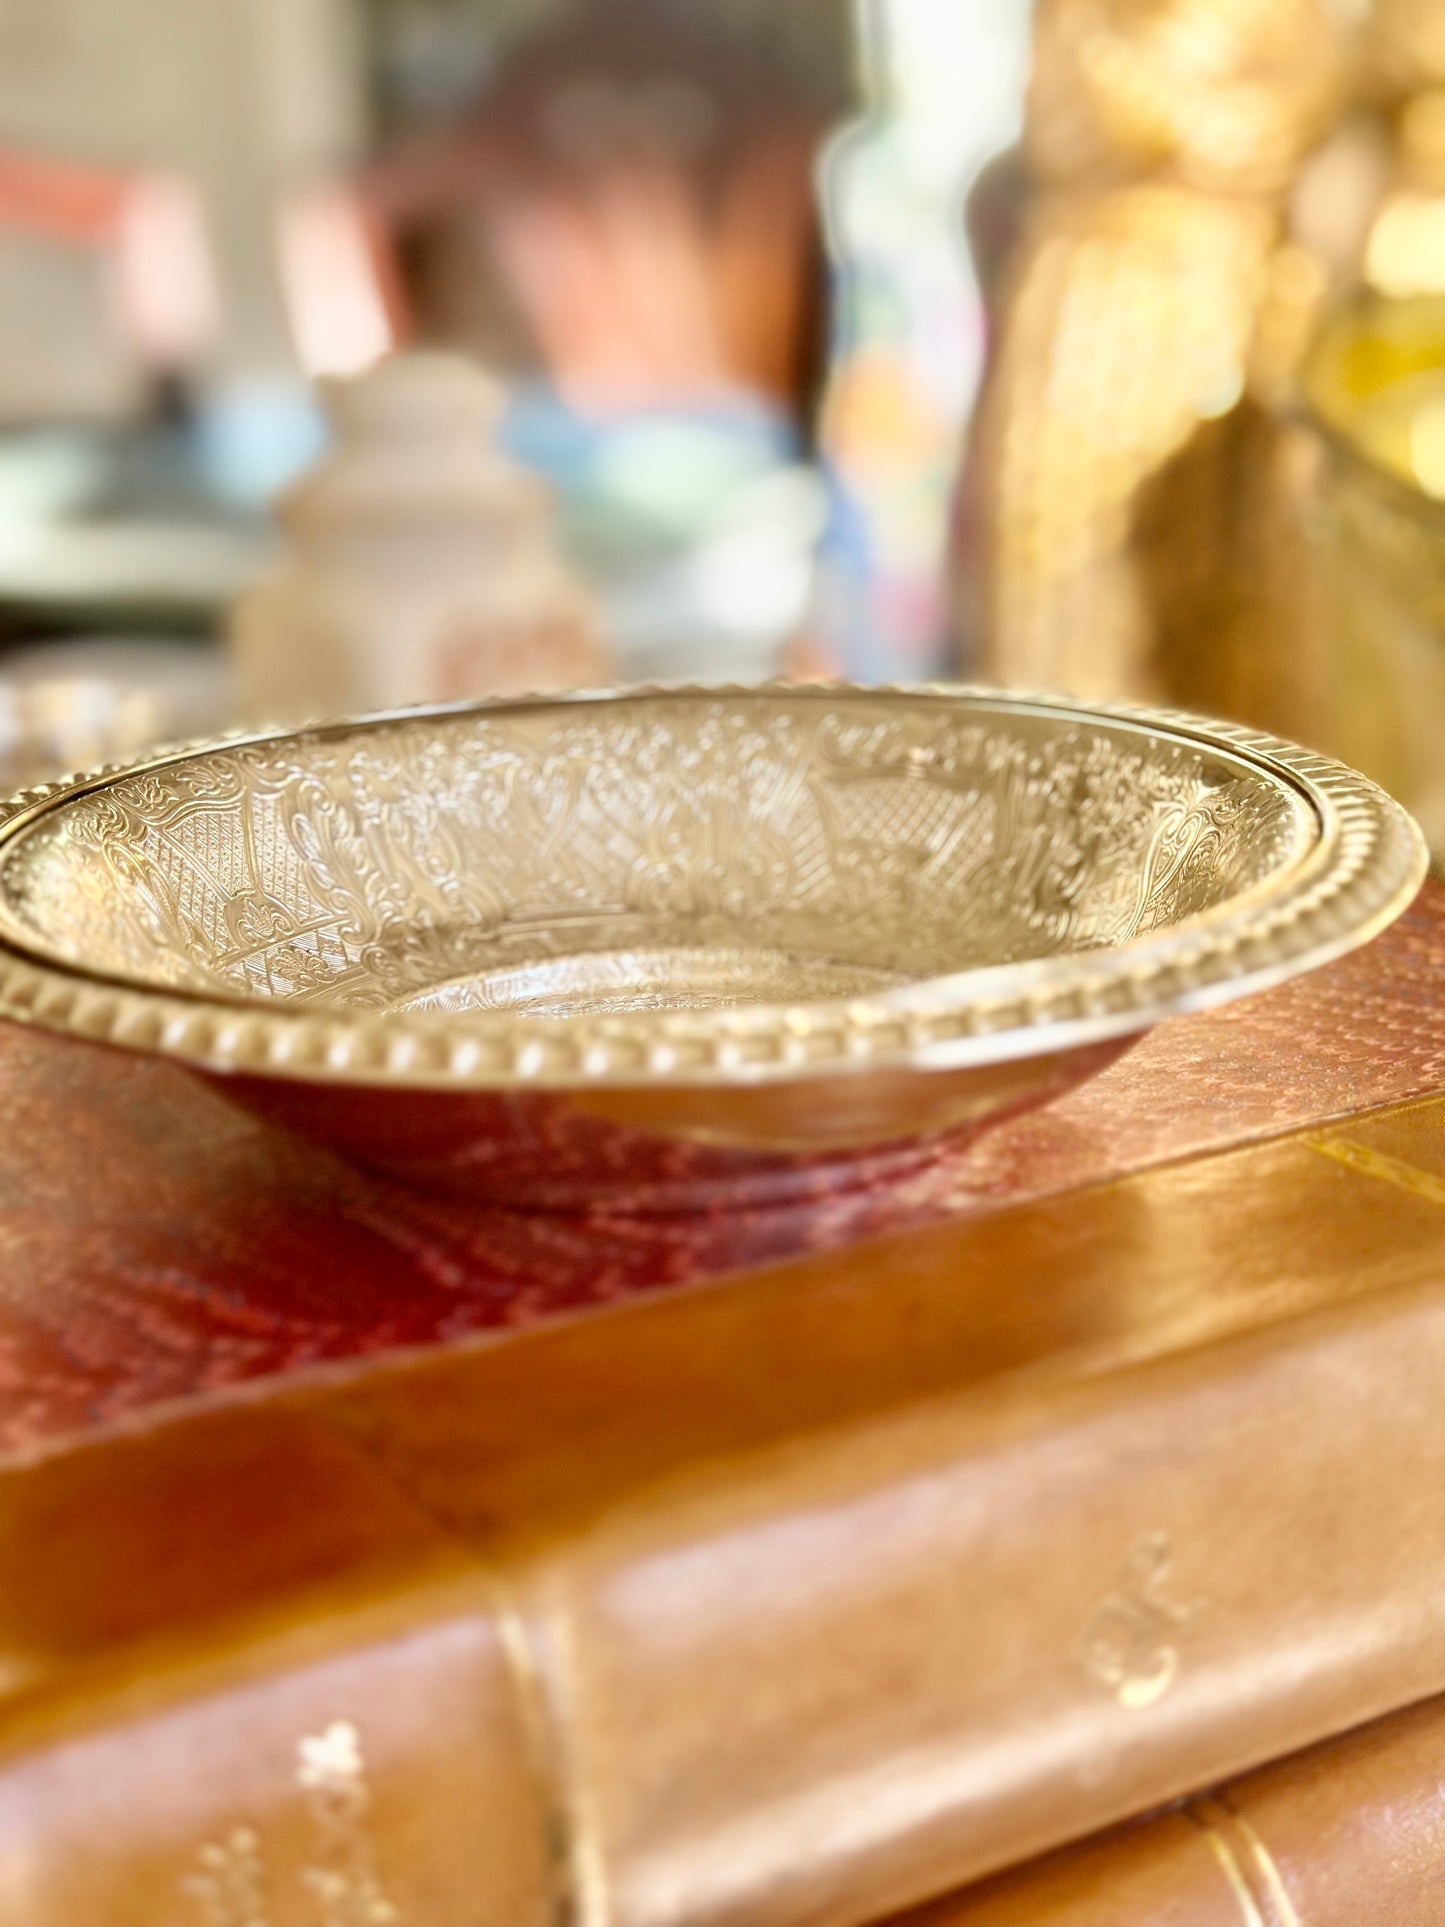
x=652, y=949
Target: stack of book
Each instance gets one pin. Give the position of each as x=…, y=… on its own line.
x=1063, y=1544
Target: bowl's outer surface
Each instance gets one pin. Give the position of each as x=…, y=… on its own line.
x=662, y=943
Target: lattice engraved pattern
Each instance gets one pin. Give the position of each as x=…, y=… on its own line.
x=679, y=852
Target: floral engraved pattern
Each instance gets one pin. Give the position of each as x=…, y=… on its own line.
x=344, y=1881
x=424, y=864
x=230, y=1884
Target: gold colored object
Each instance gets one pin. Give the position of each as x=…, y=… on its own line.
x=1373, y=388
x=782, y=921
x=1153, y=296
x=1248, y=1866
x=1206, y=175
x=1404, y=50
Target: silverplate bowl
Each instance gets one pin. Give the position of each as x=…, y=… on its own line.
x=671, y=950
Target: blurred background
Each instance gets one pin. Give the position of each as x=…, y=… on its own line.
x=362, y=351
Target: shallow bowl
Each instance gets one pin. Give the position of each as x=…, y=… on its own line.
x=670, y=950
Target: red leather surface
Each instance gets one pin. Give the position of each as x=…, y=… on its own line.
x=156, y=1244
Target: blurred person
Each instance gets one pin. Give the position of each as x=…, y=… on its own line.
x=624, y=227
x=629, y=207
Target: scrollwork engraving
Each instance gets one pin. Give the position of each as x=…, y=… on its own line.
x=839, y=848
x=1132, y=1643
x=230, y=1882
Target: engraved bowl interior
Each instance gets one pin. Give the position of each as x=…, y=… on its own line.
x=645, y=855
x=654, y=903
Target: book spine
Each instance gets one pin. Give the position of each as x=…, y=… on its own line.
x=793, y=1675
x=1343, y=1835
x=862, y=1671
x=819, y=1684
x=246, y=1683
x=368, y=1773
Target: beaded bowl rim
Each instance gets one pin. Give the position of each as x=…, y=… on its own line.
x=1358, y=874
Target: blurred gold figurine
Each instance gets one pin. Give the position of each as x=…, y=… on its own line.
x=1372, y=479
x=1404, y=54
x=1117, y=482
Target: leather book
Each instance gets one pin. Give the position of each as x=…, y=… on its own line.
x=798, y=1599
x=1346, y=1834
x=159, y=1249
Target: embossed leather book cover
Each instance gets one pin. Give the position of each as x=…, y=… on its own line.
x=158, y=1248
x=801, y=1599
x=1344, y=1835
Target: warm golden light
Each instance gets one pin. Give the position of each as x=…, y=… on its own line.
x=1427, y=448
